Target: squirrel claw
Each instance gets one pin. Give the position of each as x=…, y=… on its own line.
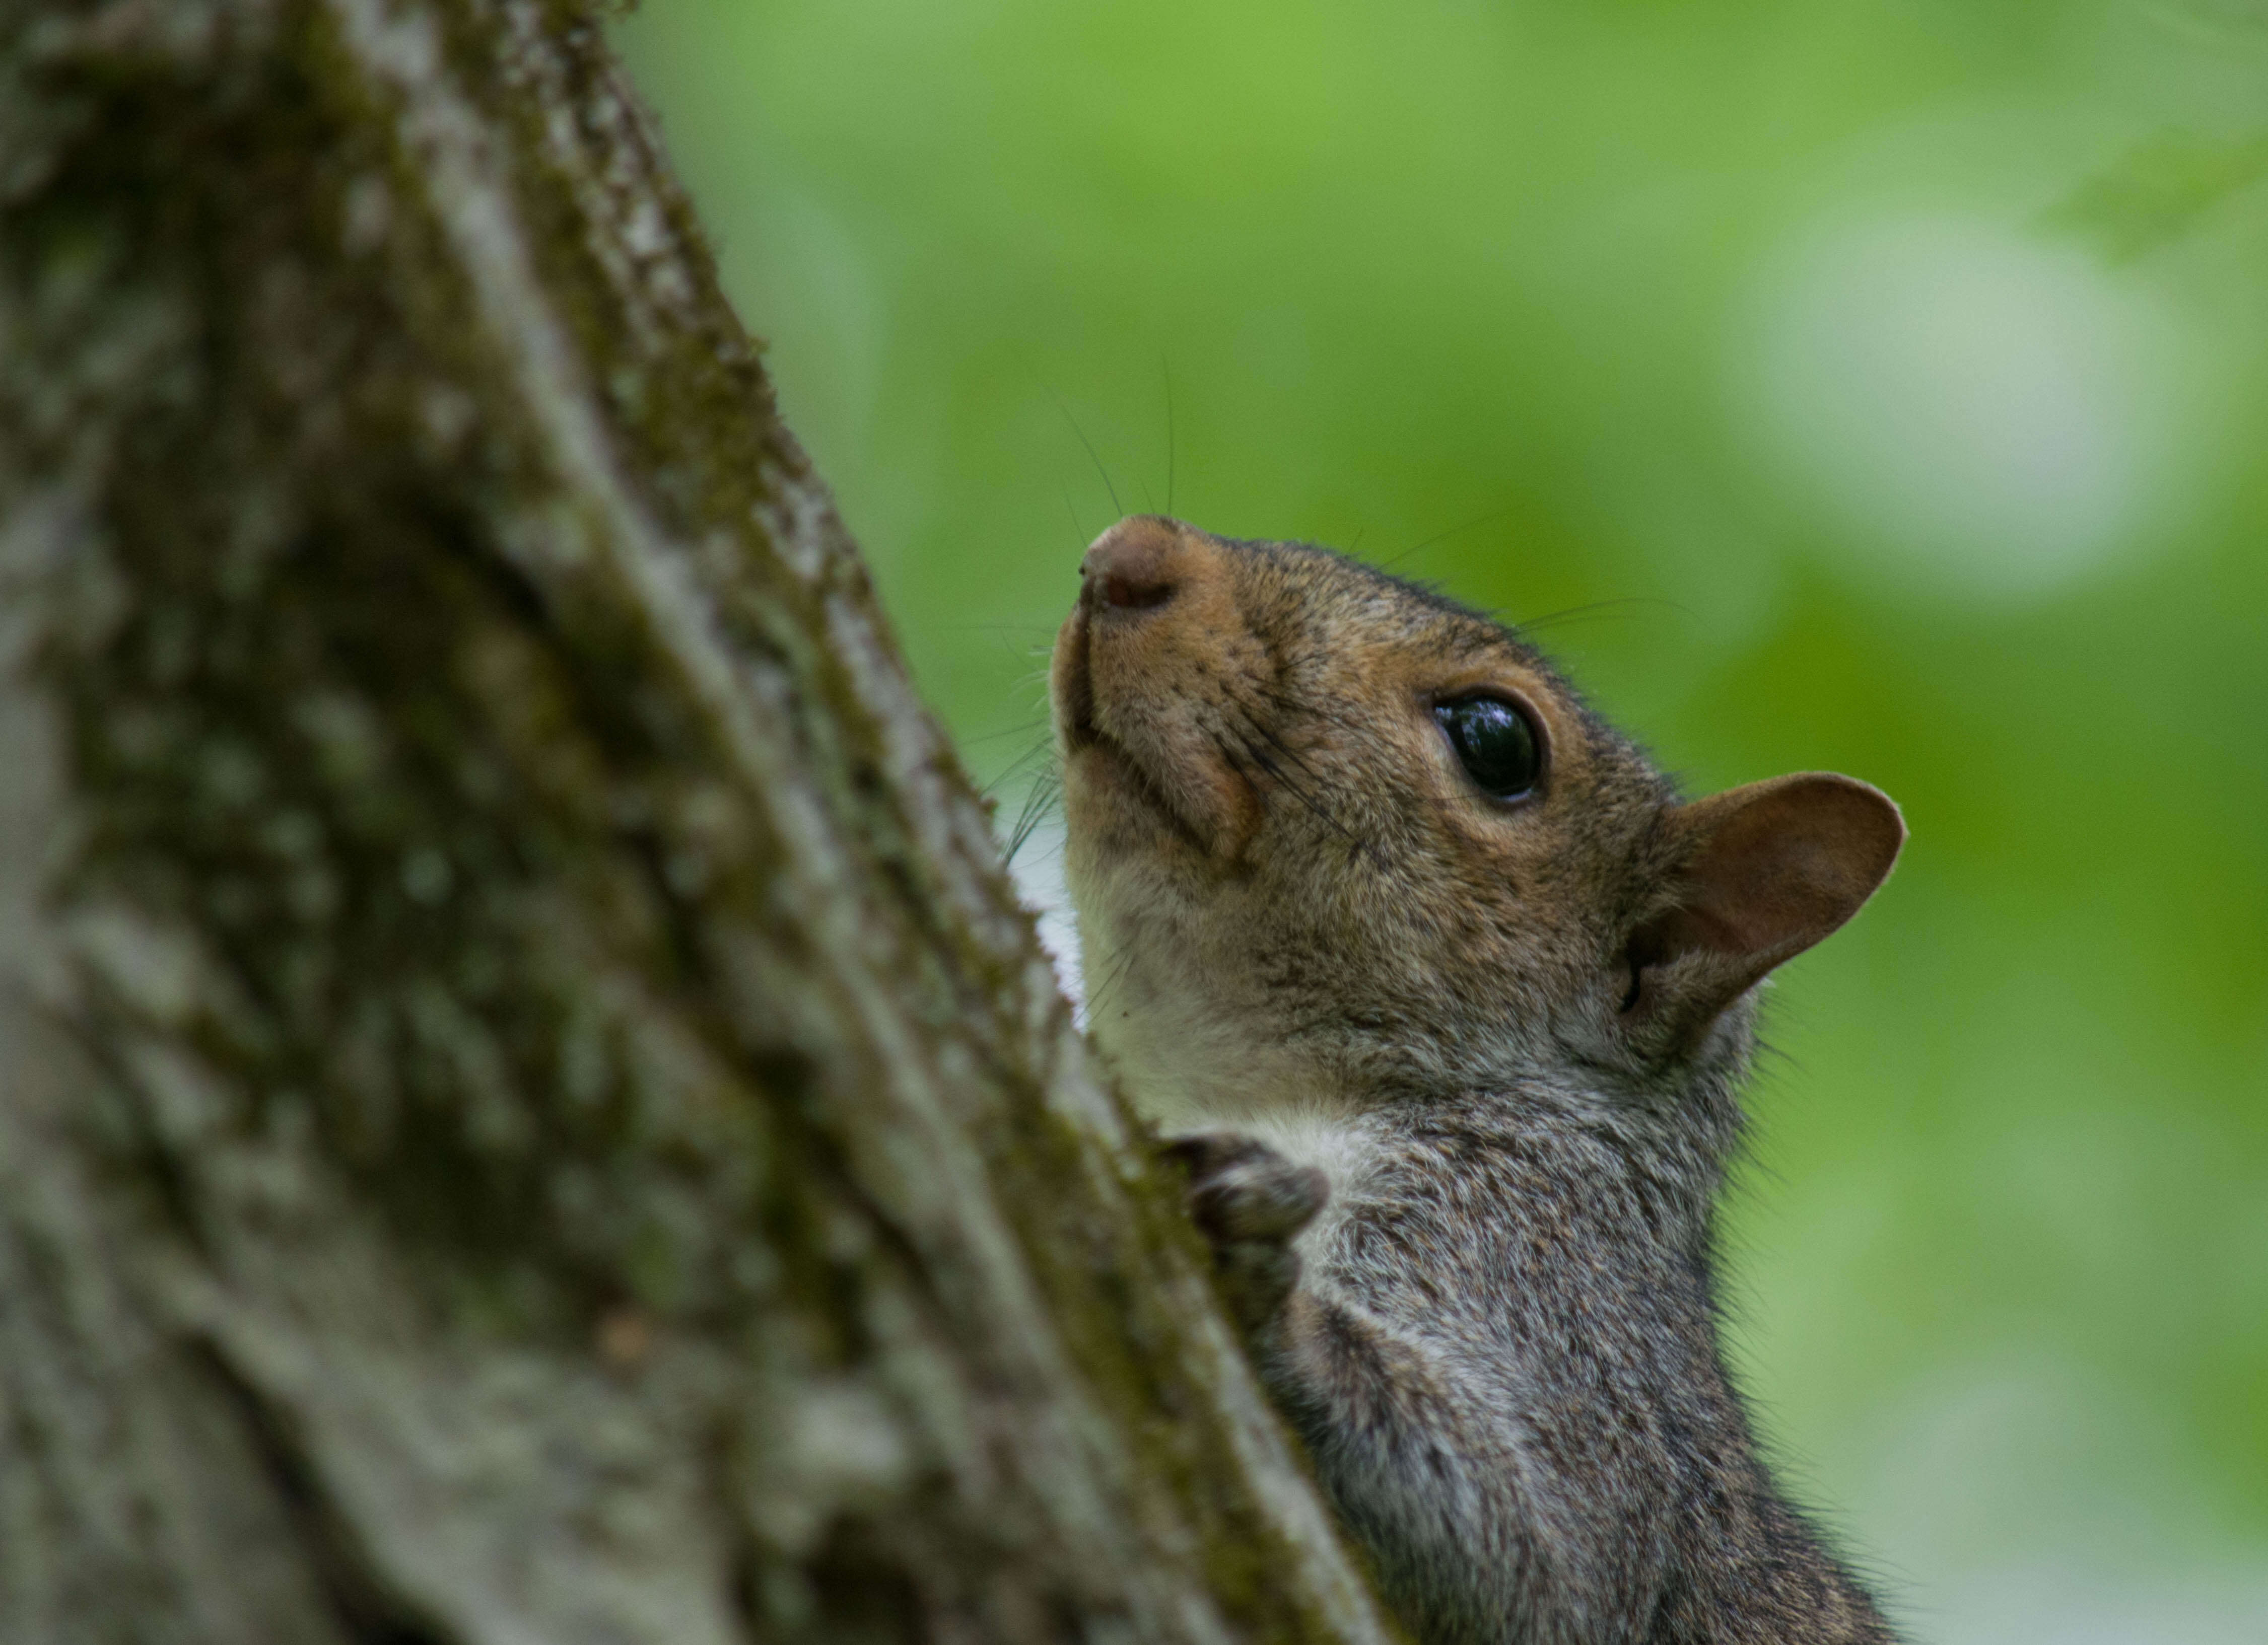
x=1249, y=1202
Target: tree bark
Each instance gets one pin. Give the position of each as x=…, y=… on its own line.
x=528, y=1111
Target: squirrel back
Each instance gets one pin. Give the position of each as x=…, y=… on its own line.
x=1448, y=996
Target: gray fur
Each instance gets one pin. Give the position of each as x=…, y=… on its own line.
x=1458, y=1079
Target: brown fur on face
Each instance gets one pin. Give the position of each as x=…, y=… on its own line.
x=1286, y=878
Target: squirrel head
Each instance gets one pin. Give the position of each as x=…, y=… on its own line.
x=1333, y=838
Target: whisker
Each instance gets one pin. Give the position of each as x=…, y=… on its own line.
x=1039, y=800
x=1168, y=366
x=1093, y=454
x=1118, y=973
x=1315, y=800
x=1016, y=765
x=1312, y=776
x=1493, y=514
x=1252, y=721
x=1013, y=730
x=1597, y=607
x=1315, y=806
x=1329, y=716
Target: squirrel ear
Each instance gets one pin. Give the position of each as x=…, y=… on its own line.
x=1766, y=871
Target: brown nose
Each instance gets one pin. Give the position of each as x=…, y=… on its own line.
x=1136, y=565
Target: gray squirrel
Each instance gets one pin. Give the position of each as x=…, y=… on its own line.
x=1446, y=997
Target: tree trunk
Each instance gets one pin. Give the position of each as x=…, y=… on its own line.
x=528, y=1111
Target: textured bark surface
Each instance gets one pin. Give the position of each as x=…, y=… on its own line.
x=527, y=1110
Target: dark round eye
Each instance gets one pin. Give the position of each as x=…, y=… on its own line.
x=1495, y=742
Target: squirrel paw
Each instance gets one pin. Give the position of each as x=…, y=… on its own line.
x=1249, y=1202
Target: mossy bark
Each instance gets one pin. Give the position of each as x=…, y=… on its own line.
x=527, y=1109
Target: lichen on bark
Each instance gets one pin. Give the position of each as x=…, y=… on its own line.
x=527, y=1109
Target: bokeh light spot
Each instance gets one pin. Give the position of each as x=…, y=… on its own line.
x=1981, y=410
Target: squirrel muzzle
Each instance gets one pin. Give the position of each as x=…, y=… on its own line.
x=1148, y=670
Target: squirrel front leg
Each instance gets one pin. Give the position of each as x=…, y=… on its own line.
x=1409, y=1454
x=1474, y=1493
x=1250, y=1203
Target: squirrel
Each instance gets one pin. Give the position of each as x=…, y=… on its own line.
x=1445, y=997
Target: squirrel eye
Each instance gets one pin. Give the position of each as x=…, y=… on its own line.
x=1495, y=743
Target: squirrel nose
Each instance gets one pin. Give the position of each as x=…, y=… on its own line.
x=1136, y=565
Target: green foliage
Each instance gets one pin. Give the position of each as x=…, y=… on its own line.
x=2155, y=196
x=1743, y=351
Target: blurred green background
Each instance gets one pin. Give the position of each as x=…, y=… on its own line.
x=1870, y=387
